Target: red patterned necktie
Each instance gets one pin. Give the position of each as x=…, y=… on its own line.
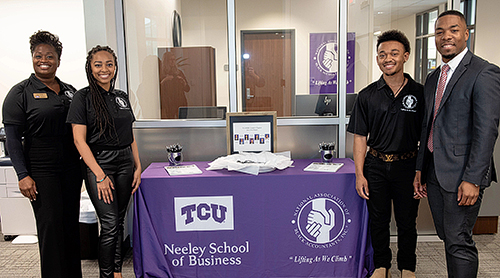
x=437, y=102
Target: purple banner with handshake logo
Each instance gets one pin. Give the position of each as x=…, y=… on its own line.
x=323, y=65
x=289, y=223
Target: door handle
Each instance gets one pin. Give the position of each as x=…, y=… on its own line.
x=249, y=96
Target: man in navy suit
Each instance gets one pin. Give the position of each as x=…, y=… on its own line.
x=460, y=127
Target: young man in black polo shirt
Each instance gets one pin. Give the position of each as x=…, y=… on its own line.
x=387, y=117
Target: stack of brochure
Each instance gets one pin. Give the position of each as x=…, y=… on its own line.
x=323, y=167
x=183, y=170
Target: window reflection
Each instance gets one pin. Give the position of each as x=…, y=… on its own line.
x=173, y=84
x=368, y=17
x=275, y=76
x=162, y=78
x=187, y=79
x=276, y=34
x=426, y=59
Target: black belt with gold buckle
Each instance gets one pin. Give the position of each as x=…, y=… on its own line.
x=393, y=157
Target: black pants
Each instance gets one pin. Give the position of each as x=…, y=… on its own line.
x=58, y=180
x=119, y=166
x=454, y=226
x=392, y=181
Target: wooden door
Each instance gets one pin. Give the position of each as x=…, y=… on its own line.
x=267, y=71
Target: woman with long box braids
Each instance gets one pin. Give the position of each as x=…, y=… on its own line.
x=102, y=119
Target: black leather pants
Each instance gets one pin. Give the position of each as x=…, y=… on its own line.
x=119, y=166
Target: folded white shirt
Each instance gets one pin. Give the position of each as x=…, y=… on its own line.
x=252, y=163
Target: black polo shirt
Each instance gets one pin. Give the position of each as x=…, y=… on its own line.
x=118, y=105
x=40, y=110
x=392, y=124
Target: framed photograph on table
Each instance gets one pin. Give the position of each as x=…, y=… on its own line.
x=251, y=132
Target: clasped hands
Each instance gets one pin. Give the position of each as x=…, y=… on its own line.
x=320, y=223
x=467, y=194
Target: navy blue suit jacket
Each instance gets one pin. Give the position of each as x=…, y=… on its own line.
x=466, y=124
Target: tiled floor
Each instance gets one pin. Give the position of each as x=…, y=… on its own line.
x=23, y=260
x=431, y=258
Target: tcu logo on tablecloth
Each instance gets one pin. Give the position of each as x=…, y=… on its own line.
x=204, y=213
x=321, y=220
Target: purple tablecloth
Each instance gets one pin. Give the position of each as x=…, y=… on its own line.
x=289, y=223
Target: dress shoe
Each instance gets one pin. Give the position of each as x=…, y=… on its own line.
x=407, y=274
x=381, y=272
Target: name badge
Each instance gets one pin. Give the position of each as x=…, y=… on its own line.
x=40, y=95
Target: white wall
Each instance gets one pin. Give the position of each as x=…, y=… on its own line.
x=487, y=42
x=20, y=19
x=487, y=23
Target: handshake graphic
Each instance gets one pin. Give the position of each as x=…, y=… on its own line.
x=330, y=57
x=320, y=221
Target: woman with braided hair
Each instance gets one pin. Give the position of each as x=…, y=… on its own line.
x=102, y=119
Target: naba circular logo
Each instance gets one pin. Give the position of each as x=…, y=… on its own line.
x=321, y=220
x=409, y=102
x=69, y=94
x=326, y=58
x=121, y=102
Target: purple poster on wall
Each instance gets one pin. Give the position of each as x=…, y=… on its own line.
x=324, y=63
